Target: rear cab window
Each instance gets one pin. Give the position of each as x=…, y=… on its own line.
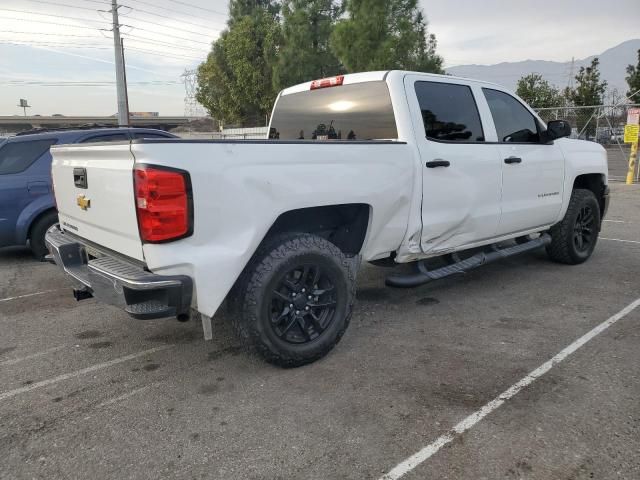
x=359, y=111
x=449, y=112
x=16, y=157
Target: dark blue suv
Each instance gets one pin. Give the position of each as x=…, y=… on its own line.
x=27, y=207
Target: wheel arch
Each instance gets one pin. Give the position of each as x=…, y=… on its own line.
x=37, y=218
x=595, y=182
x=344, y=225
x=29, y=216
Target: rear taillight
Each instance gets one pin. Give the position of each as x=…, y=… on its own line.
x=327, y=82
x=163, y=203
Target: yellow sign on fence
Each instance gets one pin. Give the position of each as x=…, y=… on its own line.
x=631, y=133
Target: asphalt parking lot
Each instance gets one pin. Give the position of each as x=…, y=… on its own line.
x=87, y=392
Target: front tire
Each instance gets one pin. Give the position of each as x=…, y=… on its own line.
x=574, y=238
x=293, y=302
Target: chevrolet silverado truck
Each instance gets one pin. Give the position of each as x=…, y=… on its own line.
x=386, y=167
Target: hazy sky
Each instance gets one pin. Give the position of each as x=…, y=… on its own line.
x=45, y=56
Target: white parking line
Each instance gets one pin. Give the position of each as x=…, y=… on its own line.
x=77, y=373
x=416, y=459
x=126, y=395
x=619, y=240
x=29, y=295
x=615, y=221
x=13, y=361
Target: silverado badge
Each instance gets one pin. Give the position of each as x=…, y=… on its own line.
x=83, y=202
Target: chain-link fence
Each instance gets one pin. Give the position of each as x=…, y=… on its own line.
x=600, y=123
x=603, y=124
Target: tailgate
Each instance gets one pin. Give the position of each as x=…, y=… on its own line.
x=94, y=194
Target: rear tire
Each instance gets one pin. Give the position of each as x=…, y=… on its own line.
x=293, y=302
x=38, y=231
x=574, y=238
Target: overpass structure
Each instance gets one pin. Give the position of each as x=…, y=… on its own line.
x=17, y=123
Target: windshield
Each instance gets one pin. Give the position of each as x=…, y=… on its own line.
x=361, y=111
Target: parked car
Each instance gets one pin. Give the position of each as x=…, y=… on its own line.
x=617, y=135
x=383, y=166
x=27, y=207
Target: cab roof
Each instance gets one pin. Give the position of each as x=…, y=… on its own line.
x=380, y=75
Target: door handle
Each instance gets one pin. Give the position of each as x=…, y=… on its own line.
x=437, y=163
x=511, y=160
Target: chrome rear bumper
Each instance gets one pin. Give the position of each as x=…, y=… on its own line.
x=118, y=281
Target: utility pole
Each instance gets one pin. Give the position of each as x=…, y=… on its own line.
x=571, y=70
x=124, y=73
x=121, y=82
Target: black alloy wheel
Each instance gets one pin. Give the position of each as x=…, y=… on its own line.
x=303, y=304
x=584, y=229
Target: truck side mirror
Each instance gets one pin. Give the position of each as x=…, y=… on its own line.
x=557, y=129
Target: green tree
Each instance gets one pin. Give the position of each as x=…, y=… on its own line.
x=589, y=90
x=537, y=92
x=251, y=8
x=234, y=83
x=305, y=53
x=633, y=80
x=385, y=34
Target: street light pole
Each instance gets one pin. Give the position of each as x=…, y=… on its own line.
x=121, y=82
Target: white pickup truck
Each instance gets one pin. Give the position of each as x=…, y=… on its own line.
x=386, y=167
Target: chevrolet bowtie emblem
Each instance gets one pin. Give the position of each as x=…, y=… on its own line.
x=83, y=202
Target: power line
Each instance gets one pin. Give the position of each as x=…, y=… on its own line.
x=63, y=83
x=96, y=59
x=54, y=23
x=158, y=42
x=47, y=44
x=51, y=15
x=165, y=34
x=64, y=5
x=172, y=27
x=46, y=2
x=165, y=16
x=199, y=7
x=90, y=47
x=52, y=34
x=173, y=11
x=155, y=52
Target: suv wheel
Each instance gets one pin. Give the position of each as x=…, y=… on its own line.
x=38, y=231
x=294, y=300
x=574, y=238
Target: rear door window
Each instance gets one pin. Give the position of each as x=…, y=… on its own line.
x=16, y=157
x=514, y=123
x=449, y=112
x=361, y=111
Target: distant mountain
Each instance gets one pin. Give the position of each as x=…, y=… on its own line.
x=613, y=65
